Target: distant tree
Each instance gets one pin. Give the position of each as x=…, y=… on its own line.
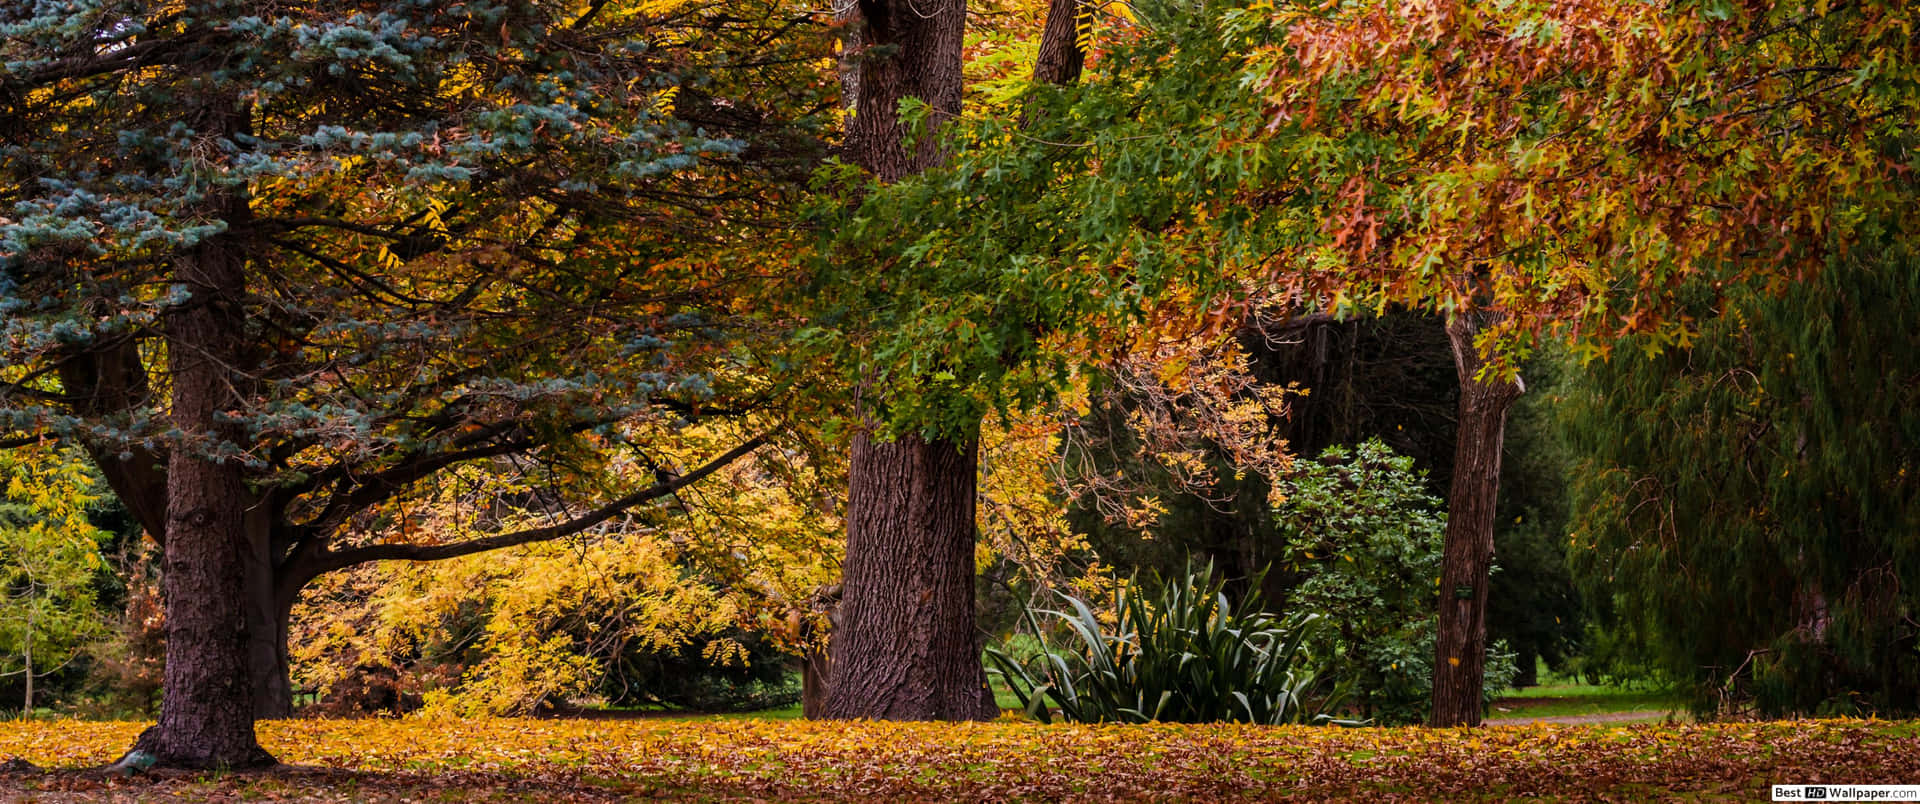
x=49, y=563
x=1768, y=468
x=275, y=267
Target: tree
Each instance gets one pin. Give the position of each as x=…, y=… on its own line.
x=1556, y=166
x=1767, y=468
x=905, y=646
x=1518, y=168
x=274, y=268
x=690, y=604
x=49, y=558
x=1459, y=673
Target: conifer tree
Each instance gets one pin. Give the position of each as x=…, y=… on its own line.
x=1769, y=469
x=275, y=266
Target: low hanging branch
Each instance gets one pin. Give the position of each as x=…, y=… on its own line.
x=329, y=561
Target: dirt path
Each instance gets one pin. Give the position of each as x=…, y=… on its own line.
x=1645, y=715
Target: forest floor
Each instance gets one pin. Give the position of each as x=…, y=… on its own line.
x=743, y=760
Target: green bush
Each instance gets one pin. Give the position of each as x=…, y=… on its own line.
x=1179, y=652
x=1363, y=538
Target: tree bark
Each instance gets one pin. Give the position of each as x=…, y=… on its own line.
x=904, y=49
x=1459, y=668
x=206, y=715
x=26, y=710
x=269, y=618
x=1060, y=58
x=906, y=648
x=207, y=707
x=814, y=683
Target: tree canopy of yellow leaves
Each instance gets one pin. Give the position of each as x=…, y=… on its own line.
x=49, y=556
x=743, y=549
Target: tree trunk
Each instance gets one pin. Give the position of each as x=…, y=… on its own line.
x=902, y=49
x=813, y=683
x=1459, y=667
x=906, y=648
x=26, y=711
x=206, y=714
x=268, y=626
x=904, y=645
x=1060, y=58
x=269, y=613
x=1527, y=668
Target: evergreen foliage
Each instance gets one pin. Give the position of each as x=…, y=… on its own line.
x=1750, y=504
x=450, y=233
x=427, y=187
x=1363, y=536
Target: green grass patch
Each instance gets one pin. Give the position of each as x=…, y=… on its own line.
x=1574, y=700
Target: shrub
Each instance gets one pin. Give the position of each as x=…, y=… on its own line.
x=1180, y=653
x=1363, y=537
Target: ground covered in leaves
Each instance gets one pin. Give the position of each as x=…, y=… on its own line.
x=595, y=760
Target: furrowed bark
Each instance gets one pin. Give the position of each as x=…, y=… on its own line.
x=1459, y=669
x=904, y=645
x=206, y=716
x=906, y=648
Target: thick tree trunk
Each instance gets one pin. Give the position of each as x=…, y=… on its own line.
x=1459, y=668
x=206, y=716
x=904, y=644
x=902, y=49
x=906, y=648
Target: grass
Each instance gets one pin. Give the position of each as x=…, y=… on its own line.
x=1556, y=698
x=1001, y=696
x=1573, y=699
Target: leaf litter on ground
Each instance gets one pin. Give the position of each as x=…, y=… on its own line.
x=744, y=760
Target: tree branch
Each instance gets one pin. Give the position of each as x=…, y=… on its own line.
x=327, y=562
x=24, y=441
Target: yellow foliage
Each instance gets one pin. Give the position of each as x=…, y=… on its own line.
x=744, y=548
